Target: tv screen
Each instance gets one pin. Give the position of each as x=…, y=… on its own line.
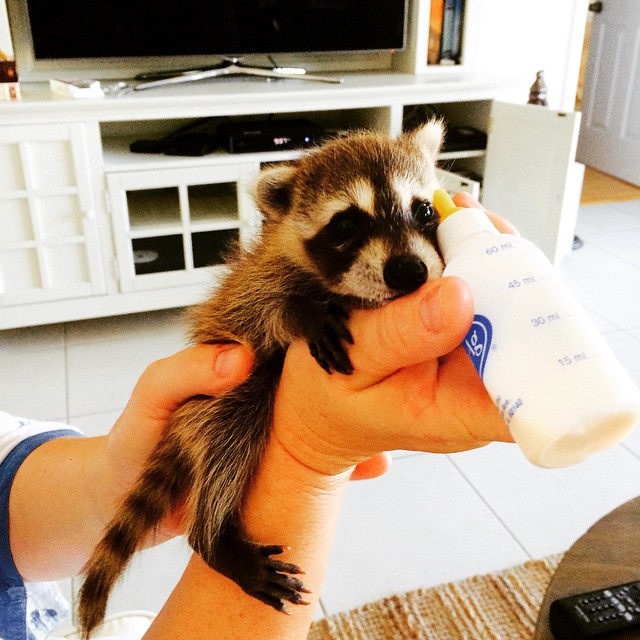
x=136, y=29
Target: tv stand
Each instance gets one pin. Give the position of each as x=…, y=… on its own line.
x=89, y=229
x=228, y=67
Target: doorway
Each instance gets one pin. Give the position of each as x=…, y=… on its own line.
x=609, y=90
x=599, y=187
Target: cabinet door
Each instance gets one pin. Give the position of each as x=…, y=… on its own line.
x=49, y=246
x=531, y=176
x=170, y=226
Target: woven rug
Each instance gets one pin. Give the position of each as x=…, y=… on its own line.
x=498, y=606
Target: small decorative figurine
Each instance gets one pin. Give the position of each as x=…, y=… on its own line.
x=538, y=90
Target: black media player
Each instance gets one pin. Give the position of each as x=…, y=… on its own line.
x=269, y=135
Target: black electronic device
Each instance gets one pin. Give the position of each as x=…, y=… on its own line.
x=596, y=614
x=197, y=138
x=184, y=144
x=464, y=139
x=122, y=38
x=269, y=135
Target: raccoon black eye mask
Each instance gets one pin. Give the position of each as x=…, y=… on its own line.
x=349, y=225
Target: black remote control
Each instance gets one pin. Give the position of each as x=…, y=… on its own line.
x=594, y=614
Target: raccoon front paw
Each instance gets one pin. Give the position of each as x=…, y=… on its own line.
x=327, y=341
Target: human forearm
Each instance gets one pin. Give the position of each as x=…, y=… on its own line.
x=289, y=504
x=58, y=507
x=67, y=490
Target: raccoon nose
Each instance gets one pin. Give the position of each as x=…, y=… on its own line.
x=405, y=273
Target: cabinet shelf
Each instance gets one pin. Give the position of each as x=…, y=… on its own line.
x=117, y=157
x=460, y=155
x=160, y=254
x=156, y=209
x=213, y=203
x=170, y=229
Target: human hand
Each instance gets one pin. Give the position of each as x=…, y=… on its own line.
x=413, y=386
x=469, y=202
x=162, y=388
x=410, y=376
x=68, y=489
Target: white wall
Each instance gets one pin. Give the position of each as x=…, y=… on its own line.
x=5, y=35
x=518, y=38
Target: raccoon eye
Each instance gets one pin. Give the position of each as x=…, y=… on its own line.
x=423, y=212
x=344, y=226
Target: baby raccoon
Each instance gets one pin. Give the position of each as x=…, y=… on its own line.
x=350, y=225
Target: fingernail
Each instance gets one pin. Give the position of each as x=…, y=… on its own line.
x=228, y=361
x=431, y=309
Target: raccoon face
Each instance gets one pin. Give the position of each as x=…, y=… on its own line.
x=378, y=252
x=357, y=213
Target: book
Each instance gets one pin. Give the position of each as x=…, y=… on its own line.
x=435, y=31
x=451, y=38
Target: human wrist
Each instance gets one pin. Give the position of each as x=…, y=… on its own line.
x=316, y=472
x=294, y=506
x=283, y=478
x=300, y=429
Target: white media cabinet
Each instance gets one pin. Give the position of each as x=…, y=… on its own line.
x=75, y=202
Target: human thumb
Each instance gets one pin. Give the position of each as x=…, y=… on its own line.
x=422, y=326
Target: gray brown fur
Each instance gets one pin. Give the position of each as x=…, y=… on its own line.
x=334, y=221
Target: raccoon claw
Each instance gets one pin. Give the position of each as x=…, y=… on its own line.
x=327, y=346
x=272, y=581
x=251, y=566
x=337, y=321
x=331, y=361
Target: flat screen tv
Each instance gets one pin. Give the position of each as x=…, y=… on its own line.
x=119, y=38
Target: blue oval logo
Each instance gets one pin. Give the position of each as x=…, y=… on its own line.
x=478, y=341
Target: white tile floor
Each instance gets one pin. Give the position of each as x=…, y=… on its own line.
x=431, y=519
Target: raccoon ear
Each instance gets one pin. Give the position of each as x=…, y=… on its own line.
x=429, y=136
x=274, y=189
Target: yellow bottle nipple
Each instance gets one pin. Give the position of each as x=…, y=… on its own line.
x=443, y=203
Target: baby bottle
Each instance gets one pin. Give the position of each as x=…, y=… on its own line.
x=552, y=376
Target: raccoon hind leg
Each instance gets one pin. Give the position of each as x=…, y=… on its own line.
x=230, y=458
x=254, y=569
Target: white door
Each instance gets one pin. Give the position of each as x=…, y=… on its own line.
x=610, y=133
x=49, y=243
x=531, y=176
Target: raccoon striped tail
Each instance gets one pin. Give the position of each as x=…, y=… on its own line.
x=230, y=455
x=104, y=568
x=155, y=494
